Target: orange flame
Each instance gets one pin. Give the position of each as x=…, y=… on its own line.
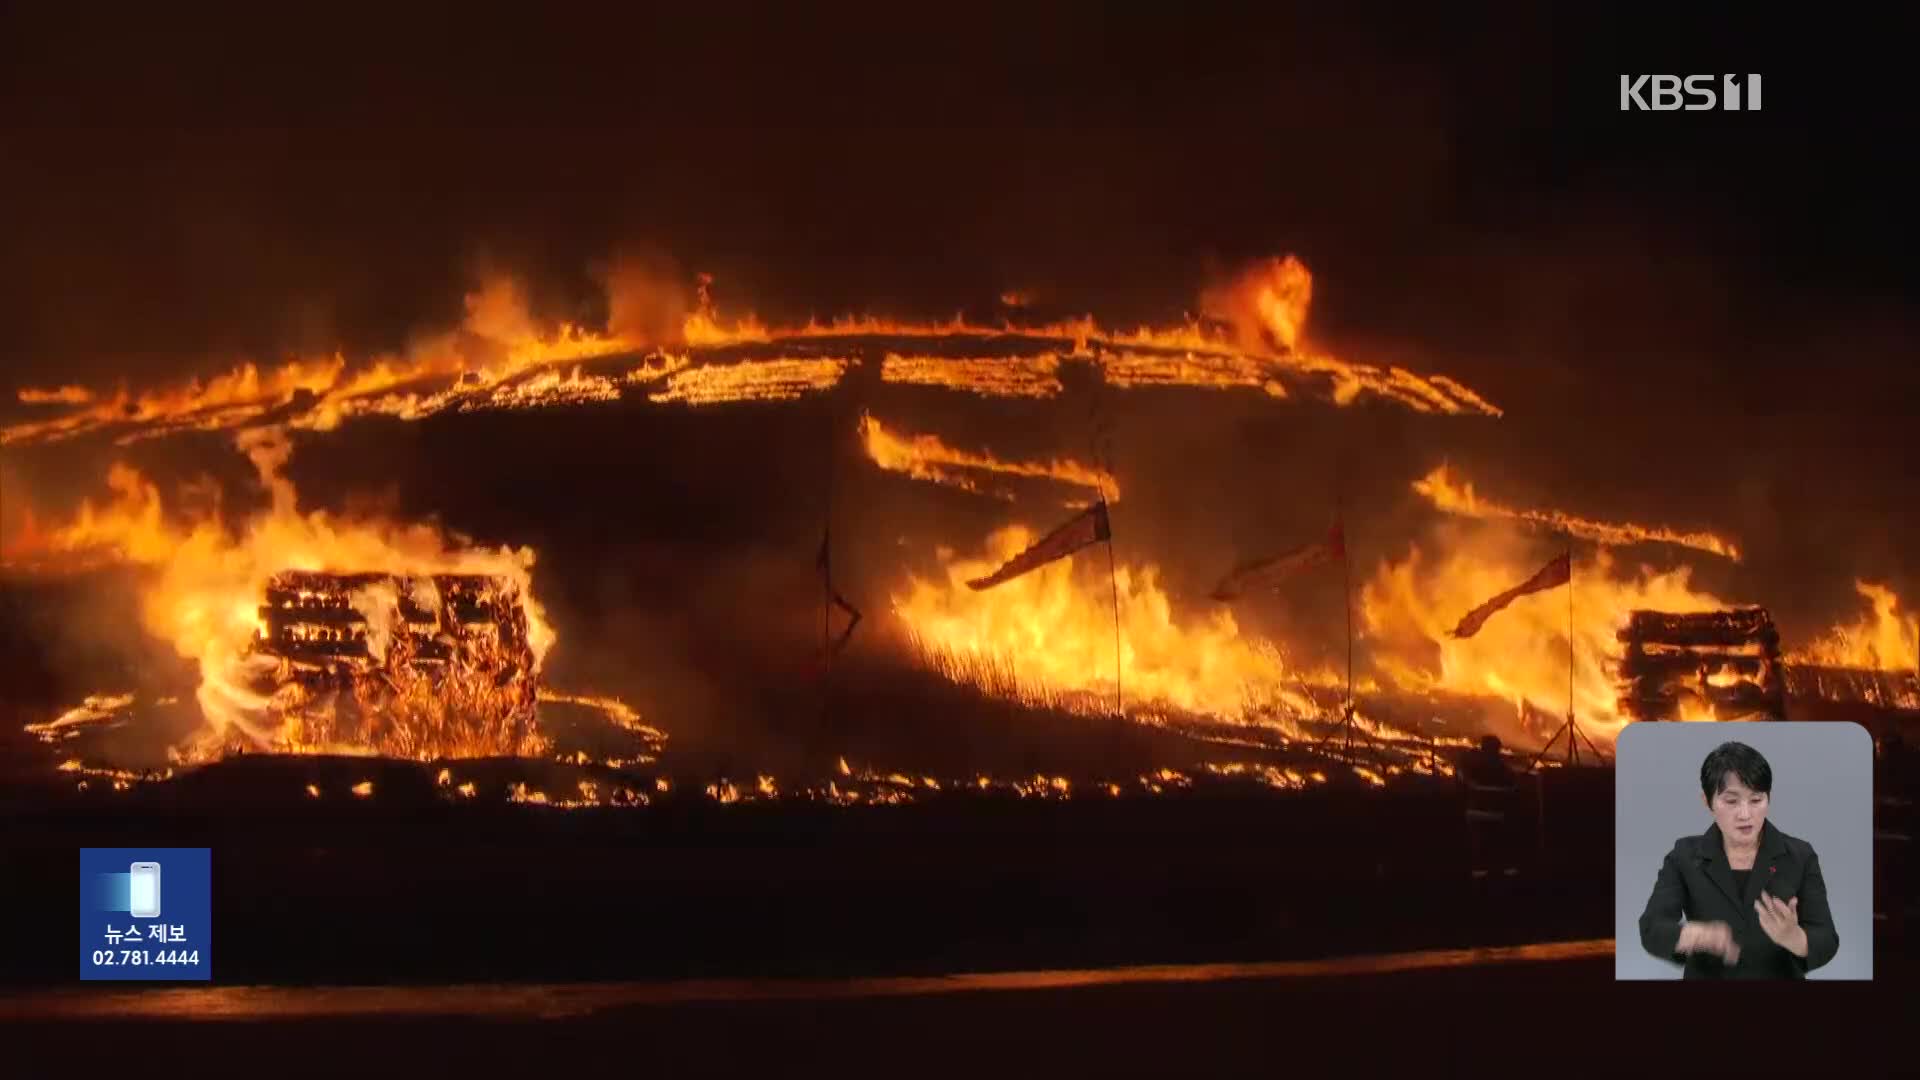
x=926, y=457
x=615, y=710
x=1887, y=639
x=1267, y=303
x=498, y=341
x=1695, y=712
x=1453, y=494
x=205, y=583
x=501, y=343
x=1049, y=635
x=1411, y=606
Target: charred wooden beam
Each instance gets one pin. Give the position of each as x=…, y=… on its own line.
x=438, y=664
x=1754, y=651
x=1712, y=628
x=311, y=616
x=1687, y=665
x=1895, y=689
x=1651, y=689
x=1739, y=694
x=318, y=615
x=427, y=652
x=1673, y=660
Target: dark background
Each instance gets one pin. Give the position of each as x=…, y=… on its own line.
x=1701, y=319
x=203, y=184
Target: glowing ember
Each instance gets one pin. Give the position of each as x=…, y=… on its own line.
x=753, y=380
x=1130, y=368
x=61, y=395
x=926, y=457
x=1453, y=494
x=619, y=712
x=1009, y=376
x=92, y=711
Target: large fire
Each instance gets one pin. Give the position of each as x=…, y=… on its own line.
x=403, y=666
x=1050, y=637
x=502, y=357
x=206, y=587
x=1411, y=605
x=317, y=633
x=1886, y=639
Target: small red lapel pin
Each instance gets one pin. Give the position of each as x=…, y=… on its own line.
x=1769, y=869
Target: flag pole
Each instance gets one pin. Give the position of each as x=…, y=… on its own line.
x=1346, y=587
x=1346, y=597
x=826, y=560
x=1113, y=586
x=1100, y=445
x=1573, y=732
x=823, y=565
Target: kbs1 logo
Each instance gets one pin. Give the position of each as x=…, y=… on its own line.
x=1694, y=93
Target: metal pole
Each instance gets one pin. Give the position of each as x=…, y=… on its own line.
x=826, y=560
x=1100, y=445
x=1346, y=596
x=1346, y=584
x=1113, y=584
x=1573, y=749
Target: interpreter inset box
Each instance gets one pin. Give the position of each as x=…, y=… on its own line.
x=1743, y=851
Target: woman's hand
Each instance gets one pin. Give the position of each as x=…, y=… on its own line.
x=1781, y=920
x=1710, y=937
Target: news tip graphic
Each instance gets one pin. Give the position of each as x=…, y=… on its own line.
x=146, y=914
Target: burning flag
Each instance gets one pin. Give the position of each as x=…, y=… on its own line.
x=1090, y=526
x=1269, y=571
x=1557, y=572
x=825, y=564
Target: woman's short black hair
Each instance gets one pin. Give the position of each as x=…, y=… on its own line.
x=1742, y=761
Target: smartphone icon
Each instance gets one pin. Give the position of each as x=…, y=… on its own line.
x=146, y=890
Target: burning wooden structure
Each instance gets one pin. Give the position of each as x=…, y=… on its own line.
x=1853, y=686
x=1721, y=665
x=407, y=666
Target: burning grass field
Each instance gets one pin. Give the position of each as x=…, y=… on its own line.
x=977, y=734
x=390, y=874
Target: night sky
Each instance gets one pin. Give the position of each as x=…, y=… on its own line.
x=1699, y=318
